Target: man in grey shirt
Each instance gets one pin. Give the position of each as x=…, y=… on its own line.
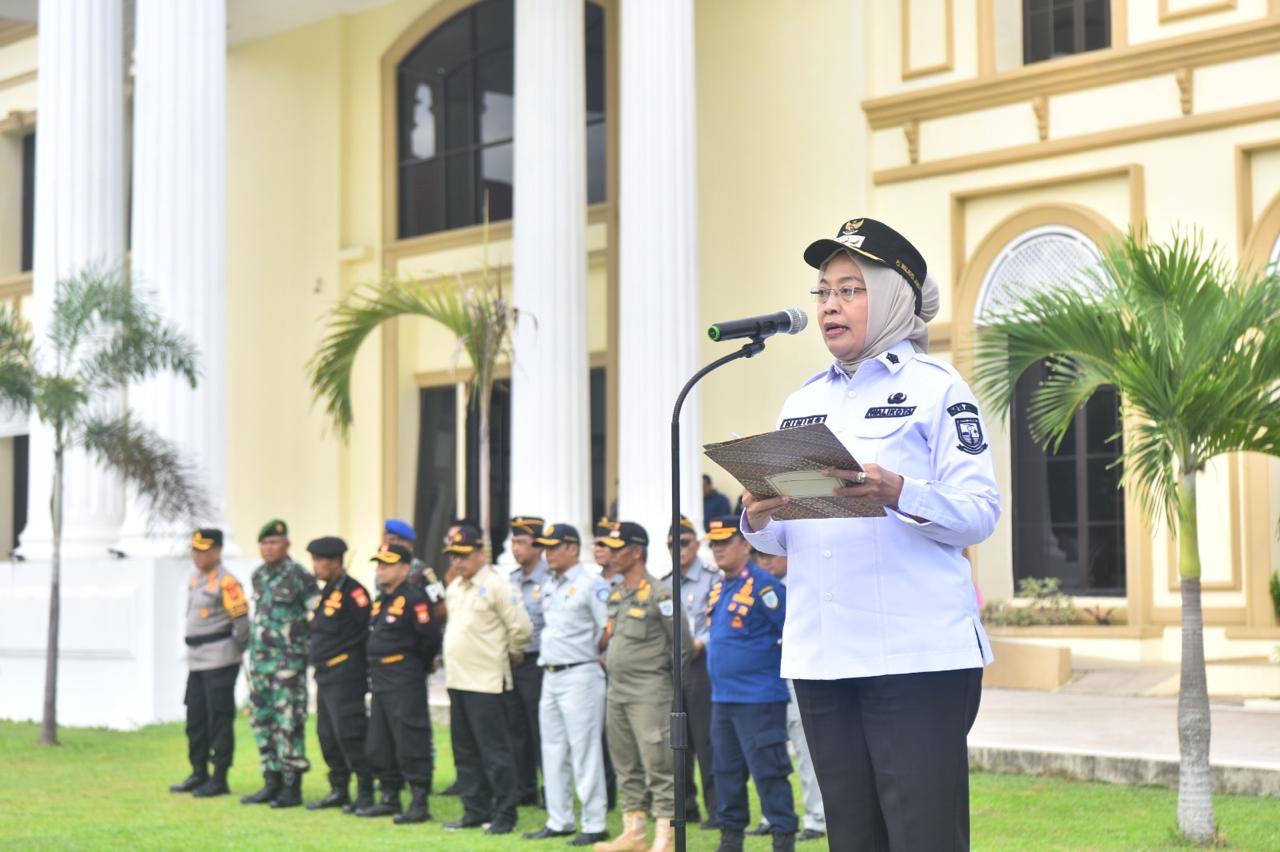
x=217, y=632
x=573, y=604
x=522, y=702
x=696, y=580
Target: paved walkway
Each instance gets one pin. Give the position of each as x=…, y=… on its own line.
x=1117, y=725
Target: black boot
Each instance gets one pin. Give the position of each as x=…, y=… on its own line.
x=290, y=792
x=364, y=795
x=215, y=786
x=338, y=797
x=198, y=776
x=418, y=810
x=784, y=843
x=270, y=789
x=730, y=840
x=388, y=806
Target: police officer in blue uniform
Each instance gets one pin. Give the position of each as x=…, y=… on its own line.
x=749, y=698
x=882, y=639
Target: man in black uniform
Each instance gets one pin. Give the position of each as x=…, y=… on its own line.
x=339, y=631
x=403, y=640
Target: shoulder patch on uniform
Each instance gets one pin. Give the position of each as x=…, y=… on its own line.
x=603, y=594
x=769, y=597
x=666, y=607
x=969, y=430
x=361, y=599
x=420, y=609
x=962, y=407
x=233, y=600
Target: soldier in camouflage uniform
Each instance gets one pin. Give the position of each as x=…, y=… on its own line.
x=285, y=594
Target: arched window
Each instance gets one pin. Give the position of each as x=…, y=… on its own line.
x=1067, y=507
x=455, y=127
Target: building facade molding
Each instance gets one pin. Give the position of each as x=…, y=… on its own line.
x=1072, y=73
x=1114, y=137
x=949, y=34
x=1169, y=15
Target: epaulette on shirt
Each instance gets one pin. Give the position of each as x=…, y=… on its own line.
x=944, y=366
x=815, y=377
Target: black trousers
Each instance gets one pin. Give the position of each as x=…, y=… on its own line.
x=342, y=726
x=211, y=714
x=482, y=755
x=522, y=717
x=399, y=743
x=892, y=759
x=697, y=698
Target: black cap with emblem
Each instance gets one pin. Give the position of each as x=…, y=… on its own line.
x=874, y=241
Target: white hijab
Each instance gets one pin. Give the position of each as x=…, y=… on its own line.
x=891, y=312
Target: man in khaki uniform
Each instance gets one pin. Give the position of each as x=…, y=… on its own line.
x=486, y=634
x=639, y=636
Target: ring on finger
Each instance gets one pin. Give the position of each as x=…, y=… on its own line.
x=860, y=477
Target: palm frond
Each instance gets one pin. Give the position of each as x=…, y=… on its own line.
x=1191, y=343
x=166, y=482
x=478, y=319
x=17, y=373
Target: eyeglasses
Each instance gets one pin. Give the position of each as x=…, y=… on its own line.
x=684, y=542
x=821, y=294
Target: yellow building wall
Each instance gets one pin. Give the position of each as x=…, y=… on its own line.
x=782, y=160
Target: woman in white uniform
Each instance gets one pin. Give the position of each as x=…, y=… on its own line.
x=882, y=636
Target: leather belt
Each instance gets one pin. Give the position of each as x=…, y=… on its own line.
x=560, y=668
x=196, y=641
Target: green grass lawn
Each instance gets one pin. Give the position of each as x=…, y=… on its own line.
x=106, y=790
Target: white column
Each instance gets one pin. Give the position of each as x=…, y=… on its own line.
x=179, y=245
x=550, y=419
x=79, y=220
x=658, y=286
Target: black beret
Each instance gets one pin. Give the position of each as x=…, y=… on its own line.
x=329, y=546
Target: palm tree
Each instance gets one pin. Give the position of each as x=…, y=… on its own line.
x=1192, y=344
x=101, y=338
x=477, y=314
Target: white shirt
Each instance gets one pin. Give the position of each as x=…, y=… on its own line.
x=575, y=610
x=891, y=595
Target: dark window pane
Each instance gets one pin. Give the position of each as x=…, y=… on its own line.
x=494, y=76
x=456, y=95
x=28, y=212
x=1105, y=500
x=459, y=109
x=461, y=203
x=496, y=168
x=436, y=497
x=1106, y=559
x=495, y=25
x=421, y=198
x=1102, y=420
x=597, y=165
x=445, y=50
x=599, y=442
x=1052, y=28
x=499, y=463
x=1060, y=476
x=1050, y=536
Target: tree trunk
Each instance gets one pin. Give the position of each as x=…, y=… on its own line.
x=49, y=723
x=486, y=394
x=1195, y=781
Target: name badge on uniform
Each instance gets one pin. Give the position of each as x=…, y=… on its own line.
x=636, y=612
x=795, y=422
x=890, y=411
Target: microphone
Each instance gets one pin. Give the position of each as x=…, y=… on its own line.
x=790, y=321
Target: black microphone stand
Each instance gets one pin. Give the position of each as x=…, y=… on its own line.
x=679, y=719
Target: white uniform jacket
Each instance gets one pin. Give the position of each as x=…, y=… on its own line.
x=891, y=595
